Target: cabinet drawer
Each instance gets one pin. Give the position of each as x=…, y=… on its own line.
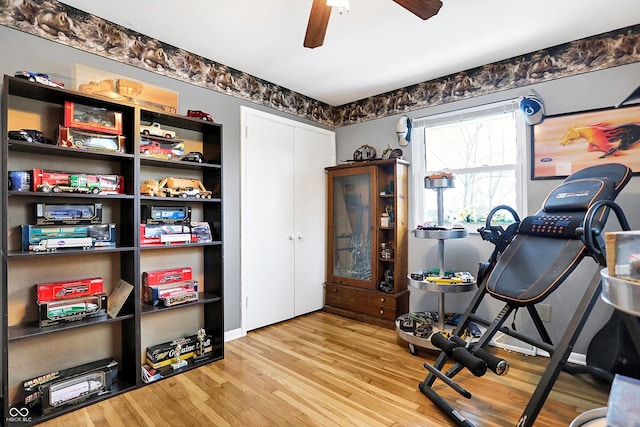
x=362, y=301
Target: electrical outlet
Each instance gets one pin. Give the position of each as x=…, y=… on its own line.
x=544, y=310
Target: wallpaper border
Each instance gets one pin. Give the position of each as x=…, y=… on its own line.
x=58, y=22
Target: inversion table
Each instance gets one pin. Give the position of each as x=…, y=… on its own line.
x=531, y=259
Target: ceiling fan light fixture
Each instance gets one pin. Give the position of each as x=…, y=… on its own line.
x=342, y=5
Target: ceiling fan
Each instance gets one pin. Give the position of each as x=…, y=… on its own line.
x=320, y=12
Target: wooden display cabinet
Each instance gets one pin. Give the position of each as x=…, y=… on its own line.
x=28, y=350
x=367, y=241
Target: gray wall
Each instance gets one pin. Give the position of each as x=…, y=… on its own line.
x=588, y=91
x=21, y=51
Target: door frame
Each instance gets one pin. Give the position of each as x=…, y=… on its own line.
x=244, y=112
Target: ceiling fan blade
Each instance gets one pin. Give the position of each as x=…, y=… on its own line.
x=317, y=26
x=424, y=9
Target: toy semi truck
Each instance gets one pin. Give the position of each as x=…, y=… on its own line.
x=73, y=184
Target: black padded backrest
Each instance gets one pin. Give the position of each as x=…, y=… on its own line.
x=565, y=208
x=547, y=248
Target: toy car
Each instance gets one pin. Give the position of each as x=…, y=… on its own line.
x=465, y=276
x=199, y=115
x=155, y=130
x=419, y=275
x=29, y=135
x=194, y=156
x=38, y=77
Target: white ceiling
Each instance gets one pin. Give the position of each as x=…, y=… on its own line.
x=376, y=47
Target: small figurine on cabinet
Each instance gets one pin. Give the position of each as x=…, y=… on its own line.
x=364, y=152
x=179, y=361
x=386, y=285
x=201, y=355
x=389, y=211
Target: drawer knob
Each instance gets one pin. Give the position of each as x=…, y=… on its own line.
x=381, y=311
x=382, y=299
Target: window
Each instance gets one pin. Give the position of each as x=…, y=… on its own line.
x=483, y=148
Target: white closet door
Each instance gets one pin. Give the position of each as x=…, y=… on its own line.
x=283, y=218
x=269, y=233
x=313, y=152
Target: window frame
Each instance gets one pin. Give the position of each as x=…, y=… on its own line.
x=418, y=153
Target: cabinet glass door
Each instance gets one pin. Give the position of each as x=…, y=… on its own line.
x=352, y=228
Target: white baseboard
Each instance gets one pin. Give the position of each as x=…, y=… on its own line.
x=233, y=334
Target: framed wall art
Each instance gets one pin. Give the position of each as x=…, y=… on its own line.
x=566, y=143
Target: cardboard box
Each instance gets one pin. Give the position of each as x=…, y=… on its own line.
x=166, y=276
x=53, y=237
x=19, y=181
x=56, y=312
x=92, y=118
x=201, y=232
x=164, y=234
x=182, y=296
x=73, y=138
x=151, y=214
x=68, y=214
x=56, y=291
x=623, y=254
x=164, y=354
x=154, y=294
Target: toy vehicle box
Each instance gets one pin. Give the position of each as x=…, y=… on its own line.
x=165, y=214
x=55, y=291
x=166, y=276
x=52, y=237
x=55, y=312
x=181, y=296
x=108, y=184
x=92, y=118
x=19, y=181
x=74, y=390
x=164, y=234
x=35, y=388
x=73, y=138
x=155, y=294
x=164, y=354
x=623, y=254
x=201, y=232
x=68, y=214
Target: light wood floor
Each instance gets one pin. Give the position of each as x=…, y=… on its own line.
x=325, y=370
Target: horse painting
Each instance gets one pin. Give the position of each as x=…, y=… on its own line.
x=604, y=137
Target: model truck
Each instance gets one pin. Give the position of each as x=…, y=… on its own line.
x=74, y=184
x=48, y=245
x=175, y=187
x=156, y=130
x=155, y=149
